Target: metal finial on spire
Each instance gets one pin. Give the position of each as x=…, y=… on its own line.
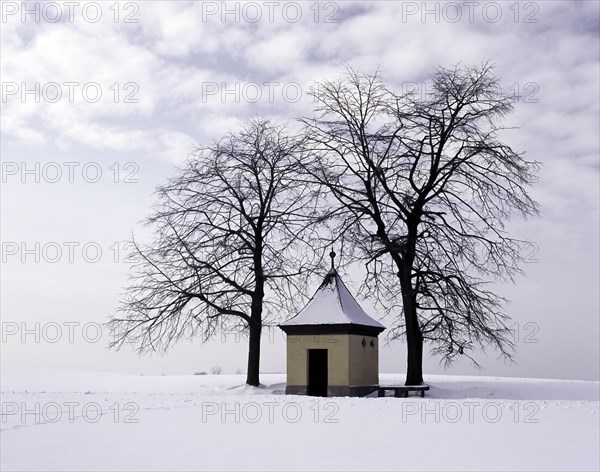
x=332, y=255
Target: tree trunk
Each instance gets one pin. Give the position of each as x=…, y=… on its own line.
x=414, y=343
x=255, y=327
x=252, y=377
x=414, y=336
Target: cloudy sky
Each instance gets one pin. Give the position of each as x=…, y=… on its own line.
x=102, y=100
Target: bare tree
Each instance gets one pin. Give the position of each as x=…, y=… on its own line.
x=228, y=252
x=424, y=187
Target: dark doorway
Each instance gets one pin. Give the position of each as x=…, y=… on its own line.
x=317, y=372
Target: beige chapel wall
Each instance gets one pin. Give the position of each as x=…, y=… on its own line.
x=297, y=358
x=364, y=361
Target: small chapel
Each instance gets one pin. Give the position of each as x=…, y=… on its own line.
x=332, y=344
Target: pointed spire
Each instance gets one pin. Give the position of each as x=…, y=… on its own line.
x=332, y=304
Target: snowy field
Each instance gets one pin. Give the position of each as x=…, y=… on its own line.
x=71, y=420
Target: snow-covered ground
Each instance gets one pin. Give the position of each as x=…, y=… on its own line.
x=71, y=420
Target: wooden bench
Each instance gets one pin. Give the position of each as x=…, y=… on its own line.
x=404, y=390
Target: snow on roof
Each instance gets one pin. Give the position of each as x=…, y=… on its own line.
x=332, y=303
